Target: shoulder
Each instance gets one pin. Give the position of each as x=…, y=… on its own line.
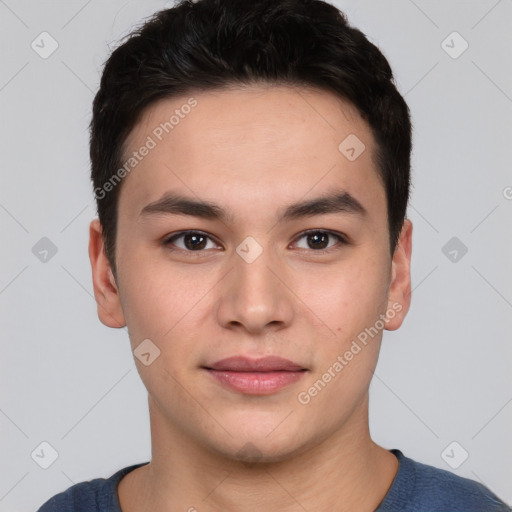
x=454, y=491
x=418, y=487
x=98, y=495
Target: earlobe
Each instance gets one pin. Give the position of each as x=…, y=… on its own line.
x=399, y=296
x=106, y=292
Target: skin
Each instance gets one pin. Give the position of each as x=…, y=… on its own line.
x=254, y=151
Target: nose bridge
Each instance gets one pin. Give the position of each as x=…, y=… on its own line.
x=253, y=296
x=255, y=280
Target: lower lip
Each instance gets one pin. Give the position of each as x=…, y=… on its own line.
x=256, y=383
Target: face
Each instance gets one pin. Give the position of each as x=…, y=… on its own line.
x=252, y=228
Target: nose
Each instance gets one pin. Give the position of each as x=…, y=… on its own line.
x=254, y=296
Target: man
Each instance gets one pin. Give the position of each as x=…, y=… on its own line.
x=250, y=162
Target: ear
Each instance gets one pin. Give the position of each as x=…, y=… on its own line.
x=106, y=292
x=399, y=295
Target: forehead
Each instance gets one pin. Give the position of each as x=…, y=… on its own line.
x=272, y=108
x=258, y=141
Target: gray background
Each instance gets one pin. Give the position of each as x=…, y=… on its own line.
x=444, y=376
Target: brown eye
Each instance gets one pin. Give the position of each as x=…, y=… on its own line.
x=194, y=242
x=320, y=240
x=190, y=241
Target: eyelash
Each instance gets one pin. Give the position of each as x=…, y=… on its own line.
x=342, y=240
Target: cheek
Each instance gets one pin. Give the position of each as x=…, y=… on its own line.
x=165, y=303
x=152, y=299
x=347, y=298
x=160, y=307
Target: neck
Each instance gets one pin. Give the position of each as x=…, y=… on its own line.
x=346, y=471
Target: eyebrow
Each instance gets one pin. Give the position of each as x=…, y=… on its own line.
x=333, y=202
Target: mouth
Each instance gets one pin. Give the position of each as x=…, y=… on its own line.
x=256, y=376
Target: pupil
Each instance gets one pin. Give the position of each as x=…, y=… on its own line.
x=191, y=241
x=318, y=237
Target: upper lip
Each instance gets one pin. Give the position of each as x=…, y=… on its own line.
x=264, y=364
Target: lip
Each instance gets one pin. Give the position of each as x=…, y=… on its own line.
x=262, y=376
x=263, y=364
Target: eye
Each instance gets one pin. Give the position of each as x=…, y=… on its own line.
x=190, y=241
x=320, y=240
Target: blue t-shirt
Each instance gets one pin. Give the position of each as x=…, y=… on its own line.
x=415, y=488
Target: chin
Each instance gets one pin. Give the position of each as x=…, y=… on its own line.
x=259, y=445
x=257, y=453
